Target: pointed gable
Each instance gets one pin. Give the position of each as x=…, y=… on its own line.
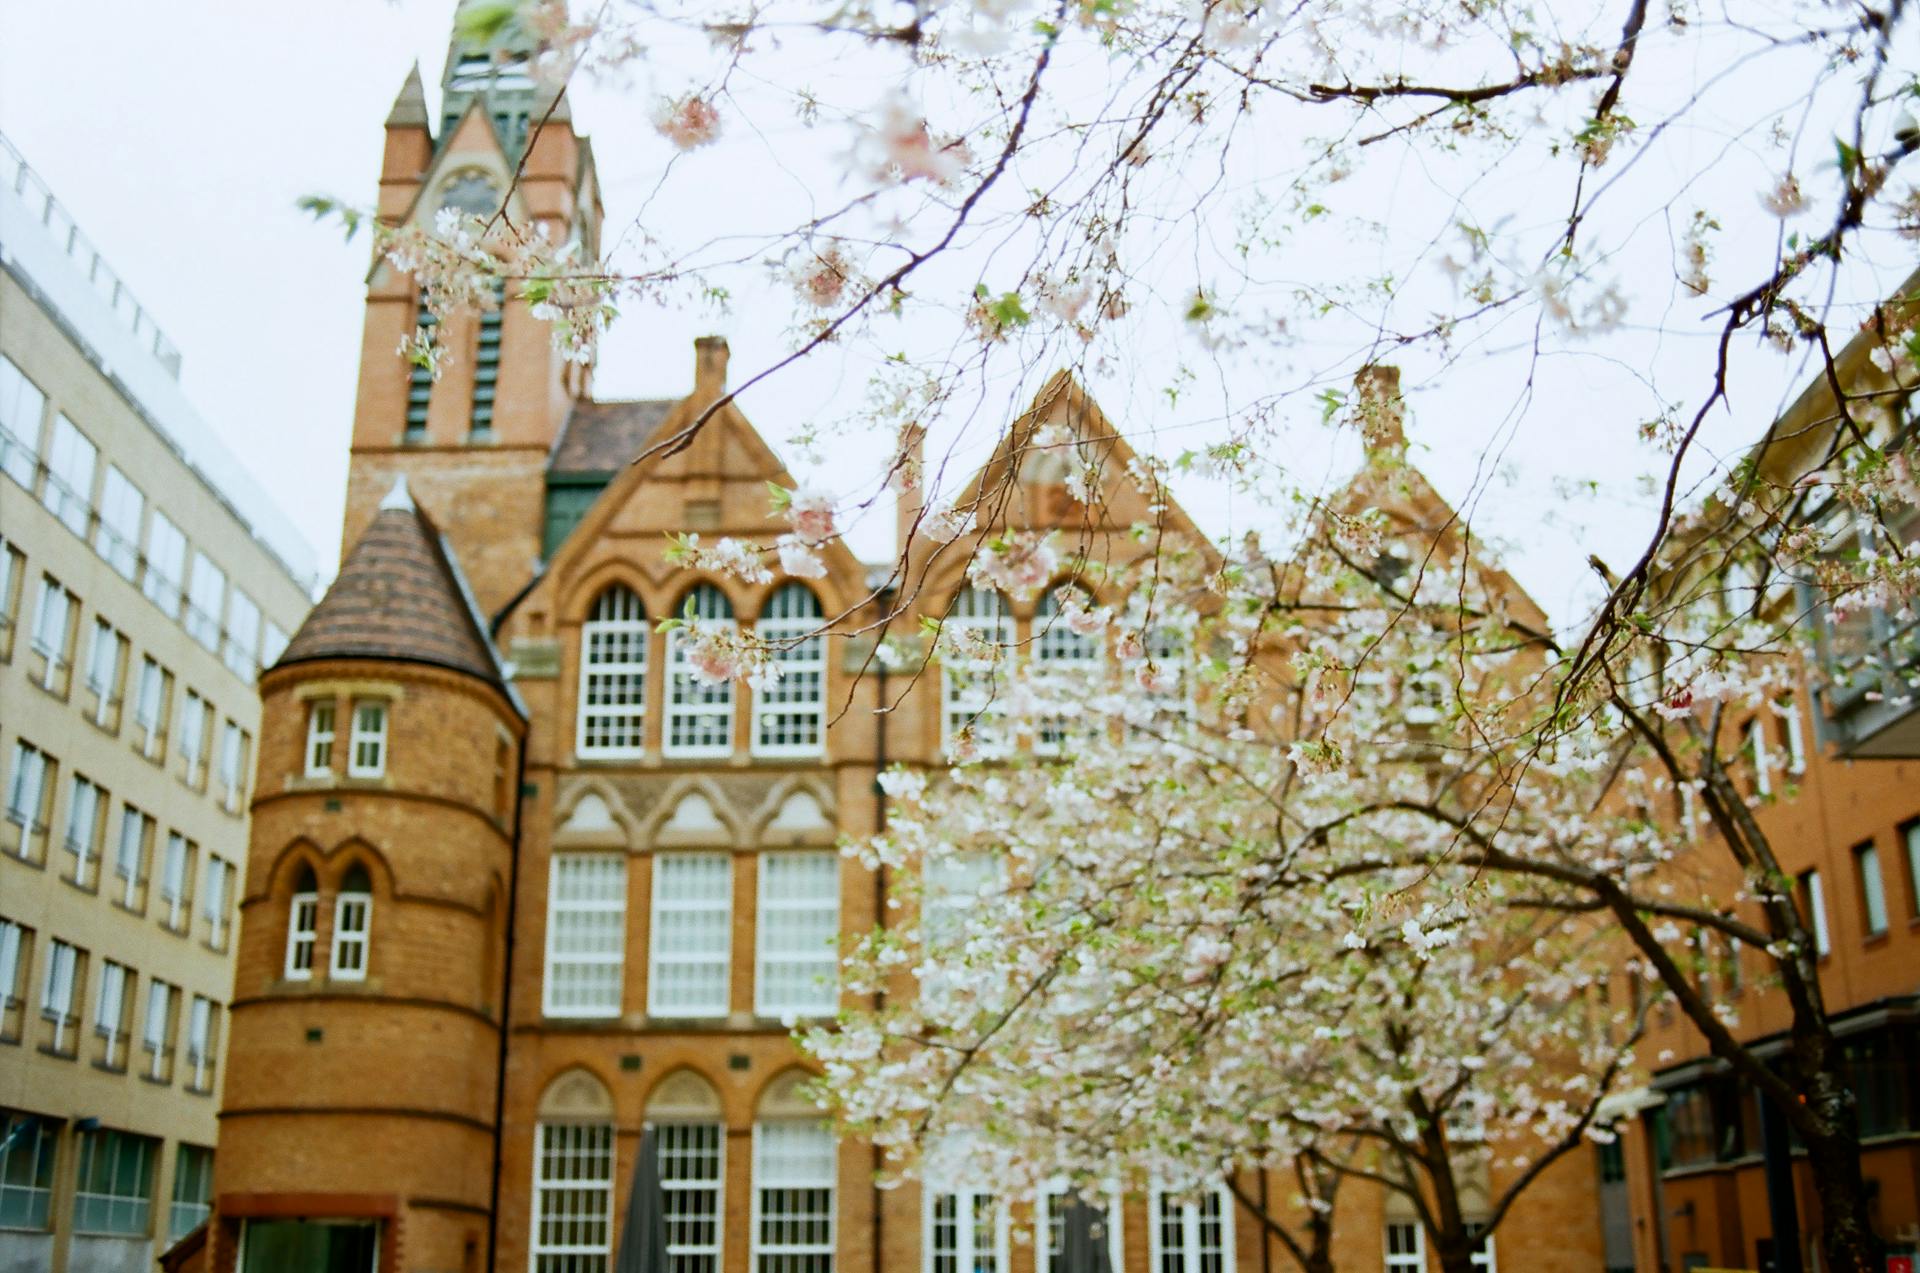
x=399, y=595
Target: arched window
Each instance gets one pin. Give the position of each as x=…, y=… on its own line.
x=789, y=715
x=573, y=1176
x=613, y=676
x=1064, y=665
x=303, y=925
x=684, y=1112
x=699, y=713
x=352, y=923
x=793, y=1181
x=968, y=686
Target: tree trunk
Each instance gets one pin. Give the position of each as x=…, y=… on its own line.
x=1454, y=1251
x=1846, y=1232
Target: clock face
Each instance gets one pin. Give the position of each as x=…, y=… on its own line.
x=474, y=193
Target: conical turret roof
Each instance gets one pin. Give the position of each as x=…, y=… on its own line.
x=410, y=107
x=399, y=595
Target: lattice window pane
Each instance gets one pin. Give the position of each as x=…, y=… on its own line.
x=963, y=1232
x=699, y=713
x=691, y=932
x=26, y=1170
x=691, y=1171
x=798, y=933
x=573, y=1198
x=790, y=714
x=969, y=689
x=1064, y=666
x=793, y=1181
x=1191, y=1233
x=613, y=676
x=586, y=934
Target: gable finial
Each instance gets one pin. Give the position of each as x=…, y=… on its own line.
x=399, y=497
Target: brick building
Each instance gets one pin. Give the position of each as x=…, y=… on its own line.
x=521, y=885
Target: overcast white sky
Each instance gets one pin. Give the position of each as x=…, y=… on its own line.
x=180, y=136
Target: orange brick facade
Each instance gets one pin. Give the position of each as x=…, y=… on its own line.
x=413, y=1097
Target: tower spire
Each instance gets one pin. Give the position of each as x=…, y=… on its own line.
x=410, y=107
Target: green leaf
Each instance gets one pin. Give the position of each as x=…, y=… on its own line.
x=484, y=21
x=780, y=496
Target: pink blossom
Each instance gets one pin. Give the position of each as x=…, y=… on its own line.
x=799, y=559
x=1021, y=564
x=943, y=523
x=1130, y=646
x=811, y=513
x=907, y=147
x=1155, y=679
x=713, y=658
x=1676, y=707
x=688, y=122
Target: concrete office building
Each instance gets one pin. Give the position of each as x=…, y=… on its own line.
x=143, y=582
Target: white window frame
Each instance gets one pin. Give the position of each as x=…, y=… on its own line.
x=27, y=792
x=680, y=1143
x=15, y=955
x=176, y=884
x=775, y=897
x=1873, y=888
x=766, y=1132
x=1062, y=660
x=1414, y=1261
x=165, y=581
x=195, y=714
x=303, y=935
x=705, y=869
x=963, y=701
x=1911, y=833
x=1788, y=709
x=200, y=1041
x=1817, y=920
x=58, y=990
x=689, y=698
x=965, y=1256
x=213, y=900
x=1484, y=1256
x=206, y=601
x=157, y=1028
x=72, y=459
x=619, y=618
x=125, y=866
x=362, y=736
x=596, y=1192
x=150, y=703
x=106, y=644
x=233, y=782
x=22, y=406
x=83, y=826
x=352, y=941
x=1053, y=1198
x=323, y=715
x=1762, y=767
x=242, y=652
x=1190, y=1258
x=55, y=610
x=612, y=901
x=117, y=536
x=784, y=706
x=109, y=1009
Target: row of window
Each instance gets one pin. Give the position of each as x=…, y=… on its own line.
x=59, y=1000
x=963, y=1230
x=1870, y=892
x=225, y=620
x=108, y=653
x=789, y=713
x=113, y=1182
x=352, y=926
x=796, y=960
x=114, y=857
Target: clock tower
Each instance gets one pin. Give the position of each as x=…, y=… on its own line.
x=473, y=442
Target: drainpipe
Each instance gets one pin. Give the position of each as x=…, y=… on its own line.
x=506, y=1005
x=880, y=908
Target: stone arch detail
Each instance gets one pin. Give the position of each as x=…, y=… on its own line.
x=784, y=1097
x=684, y=1095
x=576, y=1095
x=594, y=817
x=694, y=812
x=799, y=810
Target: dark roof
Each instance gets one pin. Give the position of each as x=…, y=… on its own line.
x=399, y=595
x=605, y=437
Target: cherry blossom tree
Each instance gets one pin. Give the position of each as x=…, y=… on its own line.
x=1245, y=203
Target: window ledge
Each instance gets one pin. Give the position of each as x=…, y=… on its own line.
x=312, y=782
